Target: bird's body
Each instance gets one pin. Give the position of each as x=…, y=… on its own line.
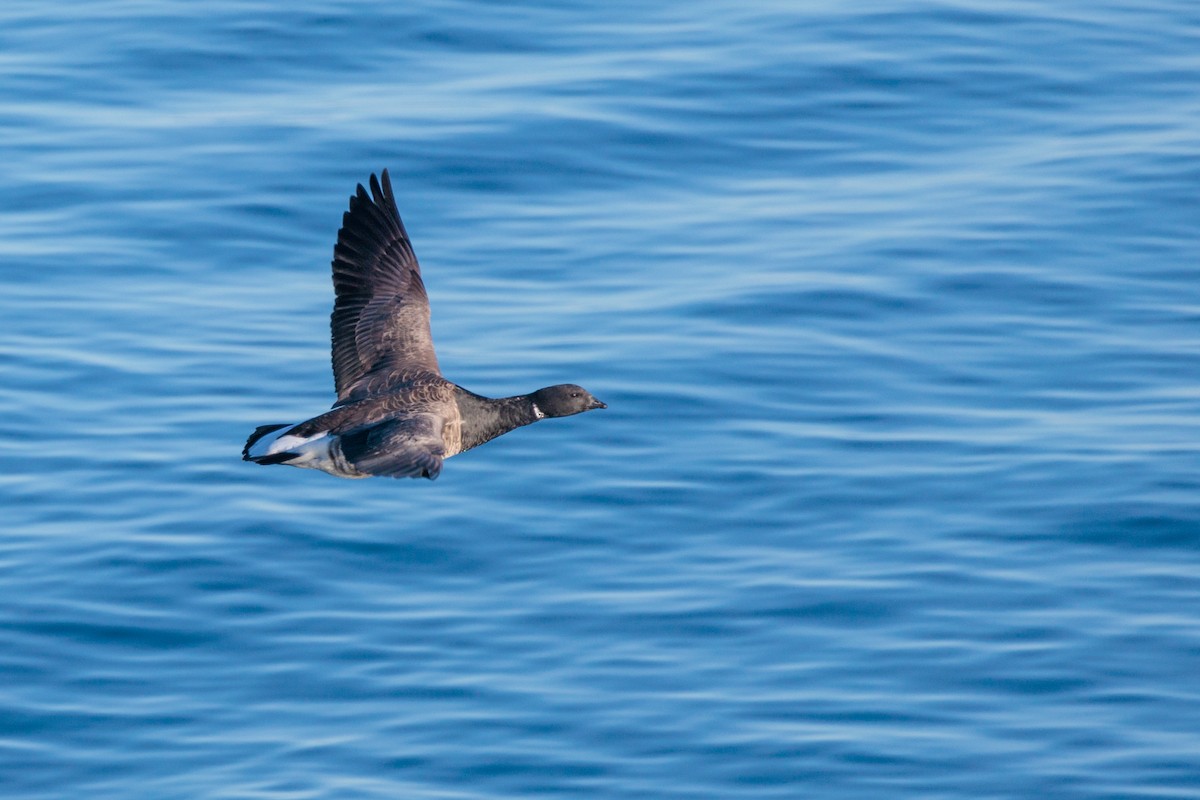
x=395, y=414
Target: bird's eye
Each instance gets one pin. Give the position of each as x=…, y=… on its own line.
x=574, y=394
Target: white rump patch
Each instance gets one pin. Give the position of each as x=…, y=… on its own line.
x=307, y=448
x=311, y=452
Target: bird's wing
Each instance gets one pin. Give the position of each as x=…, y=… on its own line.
x=406, y=446
x=380, y=321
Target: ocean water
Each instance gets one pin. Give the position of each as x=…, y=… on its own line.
x=895, y=305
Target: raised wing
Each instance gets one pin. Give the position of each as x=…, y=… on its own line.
x=380, y=321
x=408, y=446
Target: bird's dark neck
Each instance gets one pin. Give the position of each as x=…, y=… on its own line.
x=485, y=418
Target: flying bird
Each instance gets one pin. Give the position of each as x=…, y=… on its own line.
x=395, y=414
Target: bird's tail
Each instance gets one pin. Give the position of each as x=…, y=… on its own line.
x=260, y=432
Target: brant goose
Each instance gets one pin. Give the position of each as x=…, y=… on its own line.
x=395, y=414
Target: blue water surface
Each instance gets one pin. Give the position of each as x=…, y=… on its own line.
x=895, y=305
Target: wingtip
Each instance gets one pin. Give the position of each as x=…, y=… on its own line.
x=381, y=188
x=360, y=195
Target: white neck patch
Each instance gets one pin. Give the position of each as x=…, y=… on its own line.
x=538, y=413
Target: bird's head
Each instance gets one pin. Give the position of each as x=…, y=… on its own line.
x=564, y=400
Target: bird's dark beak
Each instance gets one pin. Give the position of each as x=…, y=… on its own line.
x=596, y=404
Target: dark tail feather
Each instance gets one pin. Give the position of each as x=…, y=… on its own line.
x=260, y=432
x=274, y=458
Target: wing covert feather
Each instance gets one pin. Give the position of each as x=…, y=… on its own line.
x=406, y=446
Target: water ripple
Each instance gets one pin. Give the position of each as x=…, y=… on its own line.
x=894, y=309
